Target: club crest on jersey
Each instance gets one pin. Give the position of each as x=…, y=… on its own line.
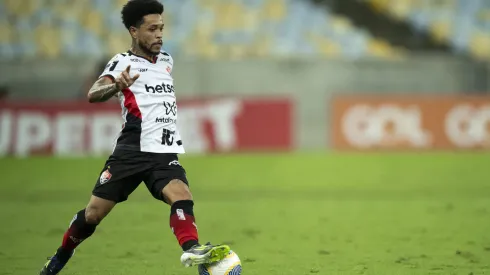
x=169, y=70
x=105, y=176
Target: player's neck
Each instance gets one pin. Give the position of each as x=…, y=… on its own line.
x=140, y=52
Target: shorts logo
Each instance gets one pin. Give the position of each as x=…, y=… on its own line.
x=174, y=162
x=180, y=214
x=105, y=176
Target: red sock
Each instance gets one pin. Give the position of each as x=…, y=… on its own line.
x=78, y=231
x=183, y=223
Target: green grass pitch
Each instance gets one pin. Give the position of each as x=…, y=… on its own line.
x=284, y=214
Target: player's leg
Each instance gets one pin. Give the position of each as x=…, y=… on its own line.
x=167, y=182
x=119, y=178
x=183, y=223
x=81, y=227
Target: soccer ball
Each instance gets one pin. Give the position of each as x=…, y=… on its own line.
x=230, y=265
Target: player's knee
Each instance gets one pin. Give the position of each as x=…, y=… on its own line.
x=176, y=190
x=93, y=215
x=97, y=209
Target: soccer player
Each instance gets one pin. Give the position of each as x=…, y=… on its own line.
x=147, y=148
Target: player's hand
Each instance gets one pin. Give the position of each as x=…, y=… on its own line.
x=124, y=81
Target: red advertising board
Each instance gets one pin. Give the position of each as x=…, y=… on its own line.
x=80, y=128
x=411, y=122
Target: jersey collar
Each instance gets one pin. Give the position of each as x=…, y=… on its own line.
x=155, y=58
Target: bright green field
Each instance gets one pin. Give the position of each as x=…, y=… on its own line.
x=283, y=214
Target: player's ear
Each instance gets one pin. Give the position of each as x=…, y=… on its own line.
x=133, y=31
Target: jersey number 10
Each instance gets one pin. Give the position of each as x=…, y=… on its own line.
x=167, y=137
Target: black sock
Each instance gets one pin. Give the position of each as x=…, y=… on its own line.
x=187, y=245
x=78, y=231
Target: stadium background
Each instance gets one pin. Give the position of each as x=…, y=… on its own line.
x=328, y=137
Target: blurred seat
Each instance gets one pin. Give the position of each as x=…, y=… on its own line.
x=48, y=41
x=380, y=48
x=7, y=32
x=274, y=10
x=22, y=8
x=93, y=22
x=480, y=45
x=325, y=46
x=441, y=31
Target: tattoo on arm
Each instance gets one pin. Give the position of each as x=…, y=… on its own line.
x=101, y=91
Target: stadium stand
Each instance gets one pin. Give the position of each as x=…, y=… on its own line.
x=198, y=28
x=236, y=28
x=463, y=24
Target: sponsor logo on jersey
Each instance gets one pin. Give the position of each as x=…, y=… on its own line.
x=164, y=59
x=170, y=108
x=165, y=120
x=142, y=70
x=135, y=60
x=163, y=88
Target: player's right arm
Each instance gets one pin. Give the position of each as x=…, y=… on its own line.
x=111, y=82
x=102, y=90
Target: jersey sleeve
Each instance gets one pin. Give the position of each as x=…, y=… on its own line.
x=169, y=62
x=114, y=67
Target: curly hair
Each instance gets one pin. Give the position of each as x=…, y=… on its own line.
x=134, y=11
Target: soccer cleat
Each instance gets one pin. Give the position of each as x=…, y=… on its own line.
x=204, y=254
x=54, y=264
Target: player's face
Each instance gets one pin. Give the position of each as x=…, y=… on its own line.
x=149, y=34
